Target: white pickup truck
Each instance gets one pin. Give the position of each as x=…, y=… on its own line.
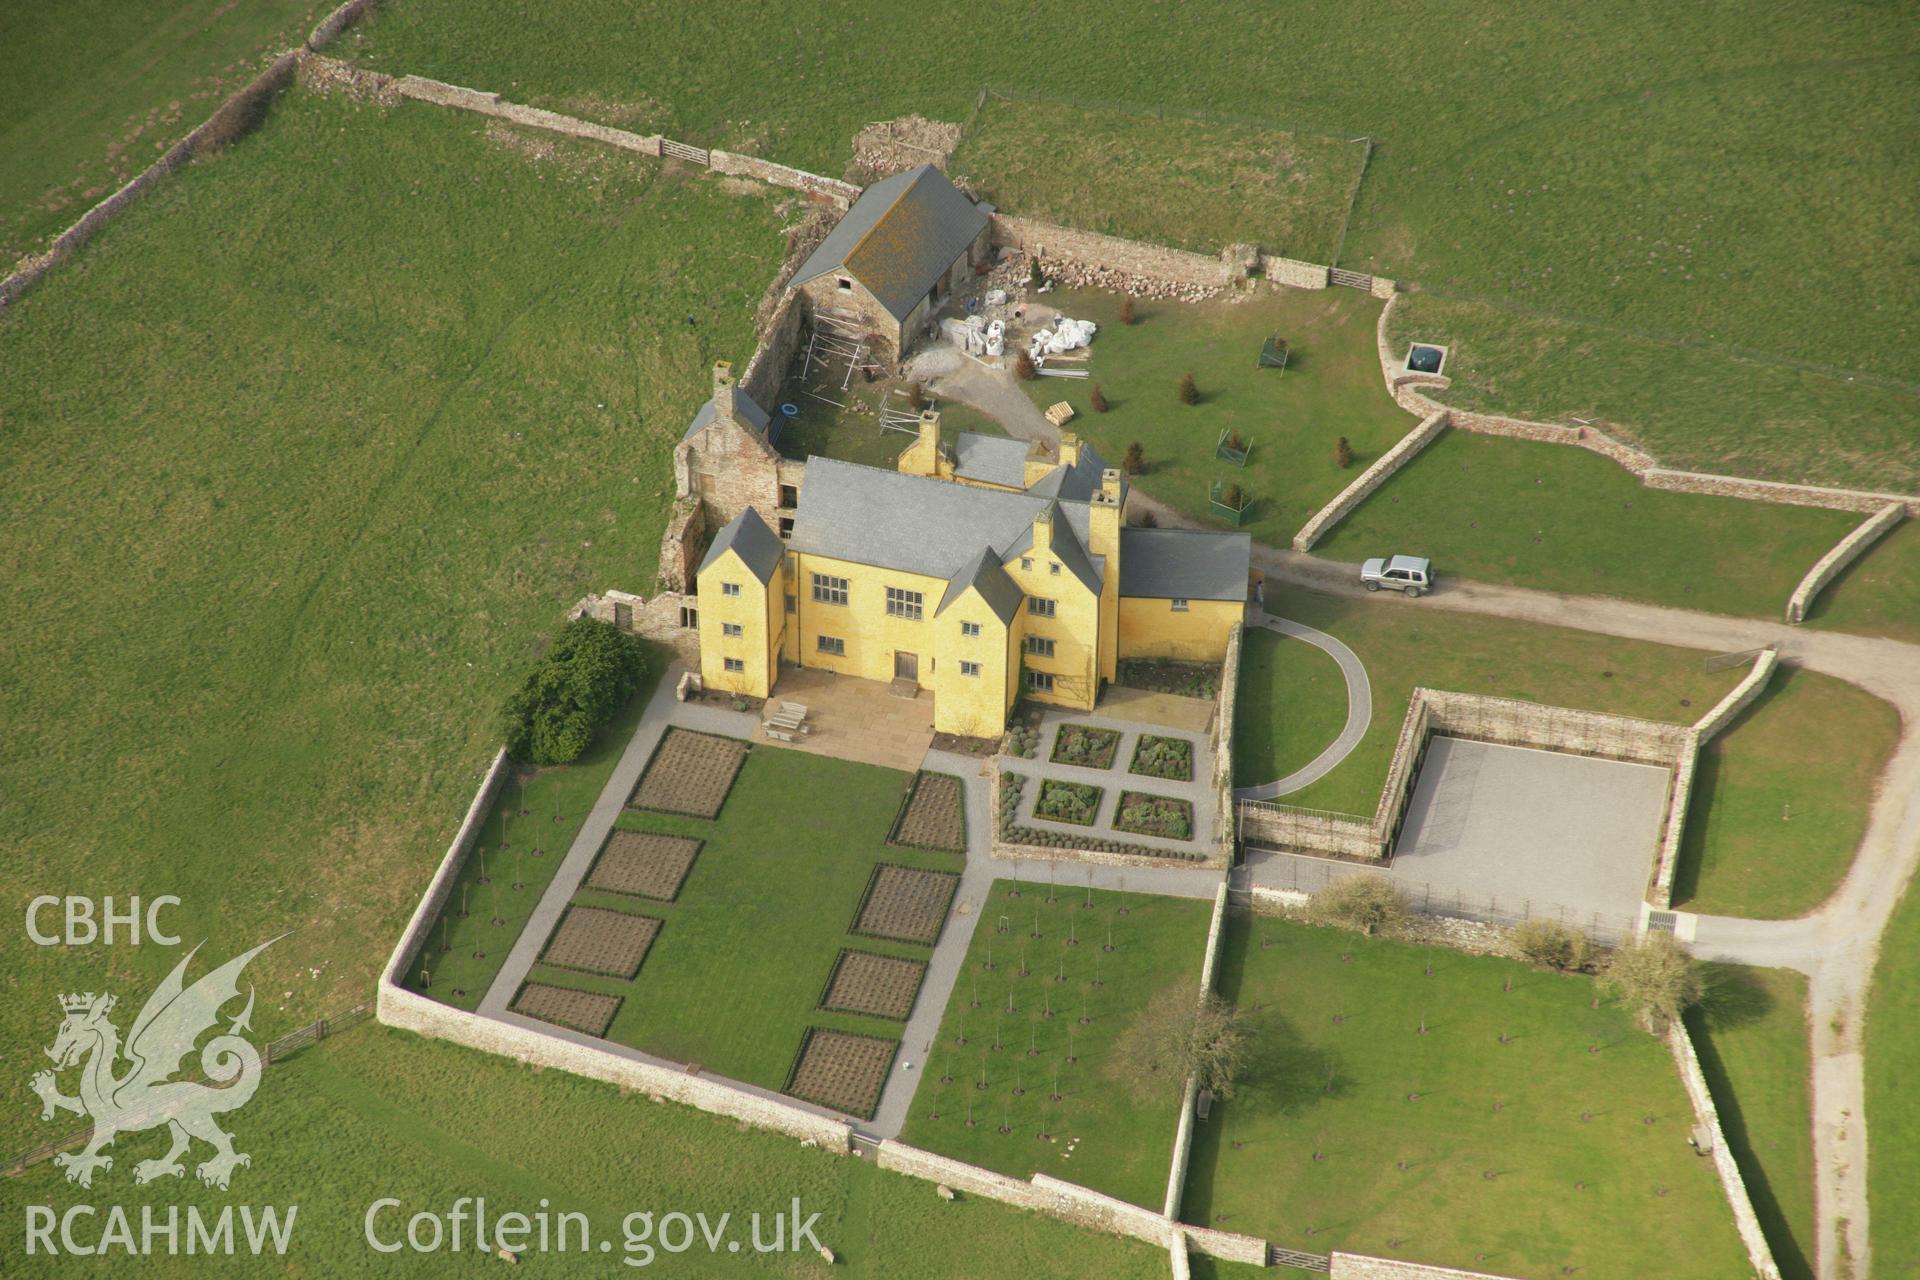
x=1411, y=574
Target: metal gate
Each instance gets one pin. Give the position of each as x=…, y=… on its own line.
x=1351, y=279
x=681, y=151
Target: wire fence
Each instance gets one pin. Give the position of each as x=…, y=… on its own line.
x=273, y=1051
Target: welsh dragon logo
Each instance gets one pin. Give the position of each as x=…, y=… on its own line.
x=145, y=1095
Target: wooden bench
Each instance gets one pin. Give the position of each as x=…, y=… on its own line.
x=778, y=734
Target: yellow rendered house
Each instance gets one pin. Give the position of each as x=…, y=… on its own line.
x=998, y=570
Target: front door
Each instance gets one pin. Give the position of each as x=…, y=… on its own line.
x=906, y=666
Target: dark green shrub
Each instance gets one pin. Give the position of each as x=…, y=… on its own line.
x=586, y=676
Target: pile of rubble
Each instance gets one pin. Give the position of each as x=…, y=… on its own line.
x=1011, y=270
x=887, y=147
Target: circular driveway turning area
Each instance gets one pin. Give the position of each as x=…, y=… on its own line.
x=1359, y=713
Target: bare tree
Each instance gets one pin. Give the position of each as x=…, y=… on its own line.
x=1656, y=977
x=1550, y=944
x=1177, y=1036
x=1369, y=903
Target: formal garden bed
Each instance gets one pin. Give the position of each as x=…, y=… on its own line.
x=588, y=1011
x=1164, y=675
x=878, y=985
x=690, y=774
x=933, y=814
x=610, y=944
x=1155, y=756
x=1085, y=745
x=643, y=864
x=1162, y=816
x=842, y=1070
x=1011, y=831
x=1077, y=803
x=905, y=904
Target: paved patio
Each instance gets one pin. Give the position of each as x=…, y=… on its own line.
x=854, y=719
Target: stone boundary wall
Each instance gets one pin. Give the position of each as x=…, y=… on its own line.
x=1403, y=452
x=212, y=133
x=1043, y=1194
x=780, y=175
x=459, y=98
x=1181, y=1261
x=1844, y=552
x=1405, y=388
x=1735, y=1186
x=1128, y=259
x=1227, y=1245
x=1293, y=273
x=1680, y=790
x=328, y=29
x=1183, y=1132
x=1223, y=744
x=1358, y=1266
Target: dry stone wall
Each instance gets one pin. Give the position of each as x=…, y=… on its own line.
x=1223, y=745
x=1293, y=273
x=1228, y=1246
x=1357, y=1266
x=780, y=175
x=1759, y=1253
x=1403, y=452
x=1110, y=262
x=460, y=98
x=1680, y=788
x=1844, y=553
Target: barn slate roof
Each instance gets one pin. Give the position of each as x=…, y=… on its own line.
x=745, y=408
x=1184, y=564
x=900, y=236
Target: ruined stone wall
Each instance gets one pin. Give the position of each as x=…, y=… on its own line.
x=682, y=544
x=657, y=619
x=780, y=175
x=1844, y=552
x=231, y=119
x=1126, y=263
x=779, y=342
x=1403, y=452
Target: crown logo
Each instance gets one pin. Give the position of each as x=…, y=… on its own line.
x=77, y=1003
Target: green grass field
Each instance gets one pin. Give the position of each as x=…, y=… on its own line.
x=1780, y=798
x=1293, y=419
x=298, y=491
x=1879, y=594
x=1564, y=519
x=746, y=950
x=1403, y=645
x=1505, y=167
x=1892, y=1044
x=1751, y=1037
x=1566, y=1145
x=1101, y=1133
x=1691, y=407
x=377, y=1113
x=1212, y=184
x=95, y=90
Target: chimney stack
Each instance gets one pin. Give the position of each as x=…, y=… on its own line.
x=723, y=391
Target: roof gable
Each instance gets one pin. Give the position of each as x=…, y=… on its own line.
x=745, y=409
x=747, y=536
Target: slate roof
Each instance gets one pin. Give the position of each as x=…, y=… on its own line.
x=1001, y=592
x=1077, y=483
x=900, y=236
x=990, y=459
x=1185, y=564
x=744, y=409
x=936, y=528
x=748, y=536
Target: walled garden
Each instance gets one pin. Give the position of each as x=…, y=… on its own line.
x=791, y=950
x=1459, y=1110
x=1022, y=1077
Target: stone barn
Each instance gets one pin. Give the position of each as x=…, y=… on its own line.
x=907, y=245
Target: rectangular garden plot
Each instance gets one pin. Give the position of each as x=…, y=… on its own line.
x=1072, y=802
x=690, y=774
x=864, y=982
x=1159, y=757
x=586, y=1011
x=841, y=1070
x=1146, y=815
x=594, y=940
x=1085, y=745
x=643, y=865
x=933, y=816
x=904, y=904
